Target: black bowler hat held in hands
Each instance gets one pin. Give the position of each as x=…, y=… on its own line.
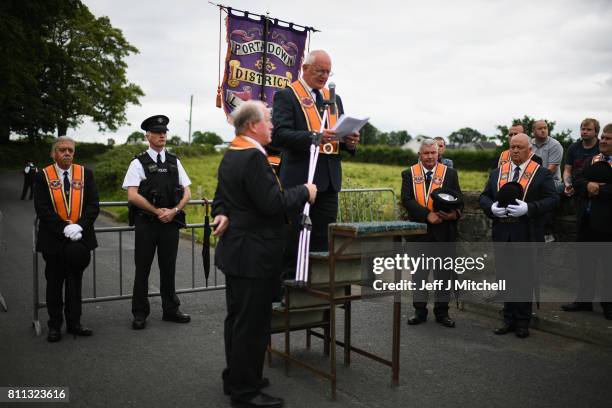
x=509, y=193
x=157, y=123
x=446, y=200
x=76, y=255
x=599, y=172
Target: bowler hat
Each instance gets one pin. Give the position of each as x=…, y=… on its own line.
x=598, y=172
x=76, y=255
x=157, y=123
x=445, y=199
x=509, y=193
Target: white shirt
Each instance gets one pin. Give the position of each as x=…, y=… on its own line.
x=61, y=171
x=257, y=145
x=311, y=90
x=514, y=166
x=135, y=173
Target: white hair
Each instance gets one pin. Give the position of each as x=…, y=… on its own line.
x=246, y=113
x=60, y=140
x=428, y=142
x=312, y=56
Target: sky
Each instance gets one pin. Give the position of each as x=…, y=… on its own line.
x=426, y=67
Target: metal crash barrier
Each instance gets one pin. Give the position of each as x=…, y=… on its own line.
x=358, y=204
x=93, y=265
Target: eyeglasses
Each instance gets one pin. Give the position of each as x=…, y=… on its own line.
x=322, y=72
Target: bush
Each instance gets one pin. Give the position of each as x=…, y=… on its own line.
x=479, y=160
x=193, y=150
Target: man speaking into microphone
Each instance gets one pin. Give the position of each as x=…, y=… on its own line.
x=297, y=115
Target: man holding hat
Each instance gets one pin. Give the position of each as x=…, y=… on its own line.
x=517, y=196
x=158, y=190
x=67, y=205
x=431, y=194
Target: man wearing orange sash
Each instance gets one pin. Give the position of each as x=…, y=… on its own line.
x=418, y=183
x=250, y=250
x=520, y=222
x=297, y=114
x=66, y=203
x=504, y=156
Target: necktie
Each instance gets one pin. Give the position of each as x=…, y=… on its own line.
x=159, y=162
x=319, y=99
x=66, y=185
x=428, y=179
x=517, y=172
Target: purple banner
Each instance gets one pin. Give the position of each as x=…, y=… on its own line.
x=243, y=76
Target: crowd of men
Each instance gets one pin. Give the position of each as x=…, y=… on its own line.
x=257, y=215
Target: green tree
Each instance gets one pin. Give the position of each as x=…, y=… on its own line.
x=466, y=136
x=135, y=137
x=564, y=137
x=399, y=138
x=369, y=135
x=175, y=140
x=210, y=138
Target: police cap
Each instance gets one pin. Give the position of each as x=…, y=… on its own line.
x=157, y=123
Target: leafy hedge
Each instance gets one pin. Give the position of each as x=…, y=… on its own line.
x=479, y=160
x=16, y=153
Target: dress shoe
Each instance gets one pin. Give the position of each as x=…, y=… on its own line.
x=414, y=320
x=260, y=400
x=139, y=323
x=54, y=336
x=79, y=331
x=522, y=332
x=577, y=307
x=445, y=321
x=263, y=383
x=177, y=317
x=505, y=329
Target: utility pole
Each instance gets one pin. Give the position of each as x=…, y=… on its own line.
x=190, y=109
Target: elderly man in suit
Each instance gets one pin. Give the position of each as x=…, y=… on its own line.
x=67, y=205
x=418, y=183
x=520, y=222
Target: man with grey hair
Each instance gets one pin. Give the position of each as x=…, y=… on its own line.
x=418, y=184
x=67, y=205
x=250, y=249
x=297, y=116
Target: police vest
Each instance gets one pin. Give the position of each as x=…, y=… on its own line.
x=313, y=116
x=161, y=186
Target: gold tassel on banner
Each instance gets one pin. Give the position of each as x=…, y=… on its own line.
x=219, y=101
x=218, y=97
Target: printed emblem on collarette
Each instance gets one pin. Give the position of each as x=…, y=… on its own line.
x=307, y=102
x=55, y=184
x=418, y=179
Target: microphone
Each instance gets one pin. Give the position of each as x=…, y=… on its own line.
x=332, y=98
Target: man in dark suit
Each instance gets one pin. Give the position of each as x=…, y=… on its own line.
x=523, y=222
x=250, y=251
x=66, y=203
x=297, y=115
x=29, y=174
x=594, y=225
x=418, y=183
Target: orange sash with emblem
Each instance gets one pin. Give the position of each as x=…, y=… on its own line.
x=67, y=211
x=599, y=157
x=421, y=193
x=504, y=158
x=524, y=180
x=311, y=113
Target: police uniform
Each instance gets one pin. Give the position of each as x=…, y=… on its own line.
x=29, y=174
x=160, y=178
x=64, y=197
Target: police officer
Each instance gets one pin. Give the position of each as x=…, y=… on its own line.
x=29, y=174
x=158, y=190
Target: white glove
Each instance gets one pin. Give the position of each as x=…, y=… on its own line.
x=72, y=229
x=76, y=237
x=517, y=210
x=499, y=212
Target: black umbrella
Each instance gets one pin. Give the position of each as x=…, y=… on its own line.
x=206, y=243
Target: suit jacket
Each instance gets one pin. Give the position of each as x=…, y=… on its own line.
x=600, y=214
x=291, y=134
x=51, y=227
x=443, y=232
x=541, y=199
x=249, y=193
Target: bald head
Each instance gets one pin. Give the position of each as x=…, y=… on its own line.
x=520, y=149
x=316, y=69
x=540, y=130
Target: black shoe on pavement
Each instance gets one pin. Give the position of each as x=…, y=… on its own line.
x=177, y=317
x=445, y=321
x=263, y=383
x=414, y=320
x=521, y=332
x=577, y=307
x=260, y=400
x=54, y=335
x=139, y=323
x=79, y=331
x=505, y=329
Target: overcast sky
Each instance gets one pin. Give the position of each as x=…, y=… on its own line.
x=426, y=67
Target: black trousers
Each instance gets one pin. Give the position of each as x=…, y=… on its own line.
x=247, y=332
x=322, y=213
x=27, y=185
x=441, y=296
x=151, y=236
x=517, y=314
x=588, y=266
x=59, y=278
